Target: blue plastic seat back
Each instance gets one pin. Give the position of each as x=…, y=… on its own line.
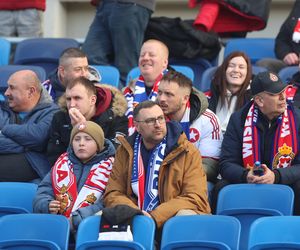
x=109, y=74
x=255, y=48
x=44, y=52
x=143, y=233
x=16, y=197
x=248, y=202
x=201, y=232
x=277, y=232
x=187, y=71
x=5, y=48
x=286, y=74
x=198, y=65
x=35, y=229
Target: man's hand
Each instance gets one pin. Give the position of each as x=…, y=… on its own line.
x=76, y=117
x=267, y=178
x=291, y=59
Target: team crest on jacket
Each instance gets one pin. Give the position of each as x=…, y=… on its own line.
x=194, y=135
x=284, y=157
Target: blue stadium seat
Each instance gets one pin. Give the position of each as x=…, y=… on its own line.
x=109, y=74
x=143, y=235
x=44, y=52
x=286, y=74
x=34, y=232
x=198, y=65
x=201, y=232
x=247, y=202
x=5, y=47
x=255, y=48
x=16, y=197
x=187, y=71
x=277, y=232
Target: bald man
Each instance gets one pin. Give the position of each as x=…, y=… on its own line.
x=153, y=62
x=25, y=120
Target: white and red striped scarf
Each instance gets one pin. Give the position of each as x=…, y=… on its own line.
x=285, y=145
x=146, y=187
x=65, y=187
x=133, y=98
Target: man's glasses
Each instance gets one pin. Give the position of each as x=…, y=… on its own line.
x=152, y=121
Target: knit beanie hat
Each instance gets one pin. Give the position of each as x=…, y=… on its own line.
x=91, y=128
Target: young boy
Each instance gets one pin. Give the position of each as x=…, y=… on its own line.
x=77, y=181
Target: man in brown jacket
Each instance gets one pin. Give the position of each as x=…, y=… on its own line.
x=157, y=170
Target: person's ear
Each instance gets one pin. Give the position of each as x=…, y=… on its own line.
x=259, y=100
x=93, y=99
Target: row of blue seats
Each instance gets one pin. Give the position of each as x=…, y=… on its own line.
x=245, y=202
x=48, y=231
x=255, y=48
x=110, y=74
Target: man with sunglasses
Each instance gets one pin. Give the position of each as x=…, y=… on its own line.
x=157, y=170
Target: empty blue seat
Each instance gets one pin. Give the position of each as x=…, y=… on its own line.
x=109, y=74
x=34, y=232
x=143, y=235
x=247, y=202
x=44, y=52
x=135, y=72
x=5, y=47
x=277, y=232
x=286, y=74
x=255, y=48
x=16, y=197
x=201, y=232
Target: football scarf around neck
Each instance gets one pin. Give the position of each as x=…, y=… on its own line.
x=139, y=95
x=285, y=144
x=146, y=187
x=65, y=186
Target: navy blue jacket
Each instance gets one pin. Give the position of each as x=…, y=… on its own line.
x=231, y=160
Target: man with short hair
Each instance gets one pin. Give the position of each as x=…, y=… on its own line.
x=157, y=170
x=153, y=62
x=73, y=63
x=102, y=104
x=24, y=123
x=265, y=130
x=182, y=103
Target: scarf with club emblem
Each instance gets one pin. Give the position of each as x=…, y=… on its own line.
x=65, y=187
x=285, y=144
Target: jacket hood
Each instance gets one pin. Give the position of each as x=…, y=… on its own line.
x=109, y=150
x=199, y=104
x=118, y=103
x=56, y=84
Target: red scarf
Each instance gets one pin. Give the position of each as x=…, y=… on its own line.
x=65, y=186
x=285, y=142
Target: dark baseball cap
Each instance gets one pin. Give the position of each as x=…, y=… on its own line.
x=268, y=82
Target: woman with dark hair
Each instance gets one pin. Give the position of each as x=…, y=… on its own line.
x=230, y=86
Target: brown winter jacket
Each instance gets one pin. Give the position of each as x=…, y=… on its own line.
x=181, y=184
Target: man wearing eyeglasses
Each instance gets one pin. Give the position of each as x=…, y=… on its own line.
x=157, y=170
